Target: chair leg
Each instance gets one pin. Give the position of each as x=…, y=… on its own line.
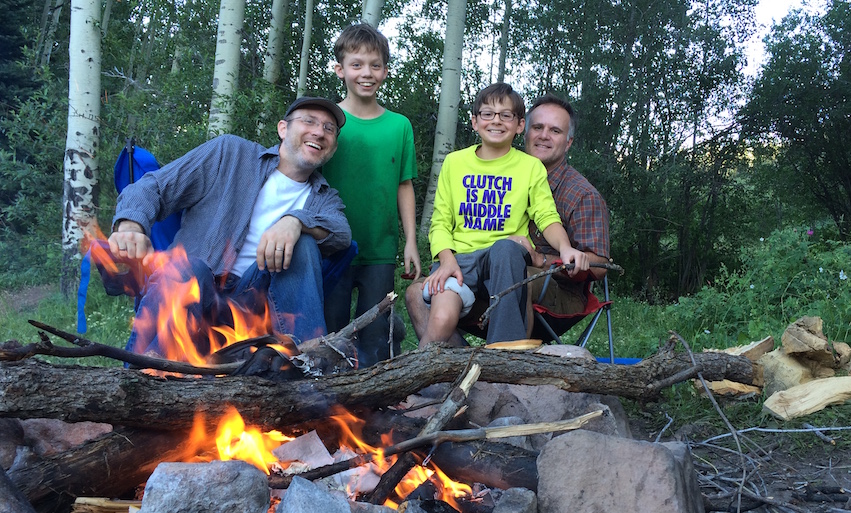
x=586, y=334
x=540, y=318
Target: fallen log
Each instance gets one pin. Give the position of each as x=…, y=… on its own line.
x=31, y=389
x=110, y=465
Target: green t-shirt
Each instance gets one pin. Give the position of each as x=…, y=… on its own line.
x=373, y=157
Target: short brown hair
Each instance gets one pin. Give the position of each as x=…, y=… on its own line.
x=551, y=99
x=500, y=91
x=361, y=36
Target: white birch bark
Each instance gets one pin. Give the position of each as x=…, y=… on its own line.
x=273, y=57
x=371, y=14
x=305, y=49
x=104, y=22
x=79, y=200
x=450, y=97
x=226, y=71
x=503, y=41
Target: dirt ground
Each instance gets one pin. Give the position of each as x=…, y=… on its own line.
x=792, y=473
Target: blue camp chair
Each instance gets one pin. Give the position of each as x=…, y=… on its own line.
x=132, y=163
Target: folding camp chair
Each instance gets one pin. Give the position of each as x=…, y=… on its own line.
x=593, y=306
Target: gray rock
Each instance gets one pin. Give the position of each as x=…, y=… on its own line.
x=590, y=472
x=11, y=436
x=52, y=436
x=543, y=403
x=215, y=487
x=365, y=507
x=305, y=497
x=517, y=500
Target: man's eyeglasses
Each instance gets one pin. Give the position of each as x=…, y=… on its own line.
x=329, y=127
x=504, y=116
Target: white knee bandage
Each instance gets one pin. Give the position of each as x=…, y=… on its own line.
x=467, y=295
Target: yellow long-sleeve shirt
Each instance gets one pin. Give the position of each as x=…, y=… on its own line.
x=481, y=201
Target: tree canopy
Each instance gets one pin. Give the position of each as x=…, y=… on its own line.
x=691, y=159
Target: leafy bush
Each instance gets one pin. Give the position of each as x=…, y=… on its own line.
x=787, y=275
x=31, y=173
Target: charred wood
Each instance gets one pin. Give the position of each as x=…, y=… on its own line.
x=110, y=466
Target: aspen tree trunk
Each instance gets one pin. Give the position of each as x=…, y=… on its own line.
x=80, y=196
x=273, y=57
x=503, y=41
x=305, y=49
x=104, y=23
x=226, y=71
x=450, y=97
x=51, y=21
x=372, y=12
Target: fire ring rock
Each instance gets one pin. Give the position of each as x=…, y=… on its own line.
x=215, y=487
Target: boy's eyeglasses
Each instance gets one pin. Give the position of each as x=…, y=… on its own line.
x=329, y=127
x=504, y=116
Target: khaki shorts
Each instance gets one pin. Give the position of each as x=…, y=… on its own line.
x=563, y=296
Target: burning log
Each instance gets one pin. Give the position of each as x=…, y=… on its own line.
x=450, y=407
x=11, y=499
x=30, y=389
x=314, y=357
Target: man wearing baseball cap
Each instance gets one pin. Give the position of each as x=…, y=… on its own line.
x=256, y=223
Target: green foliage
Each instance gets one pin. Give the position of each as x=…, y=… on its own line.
x=784, y=276
x=800, y=99
x=109, y=318
x=31, y=189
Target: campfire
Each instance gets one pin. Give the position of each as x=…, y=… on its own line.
x=236, y=441
x=251, y=384
x=178, y=334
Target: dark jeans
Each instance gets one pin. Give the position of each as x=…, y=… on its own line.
x=294, y=299
x=372, y=282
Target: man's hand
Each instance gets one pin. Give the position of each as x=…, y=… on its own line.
x=129, y=241
x=275, y=249
x=448, y=267
x=412, y=258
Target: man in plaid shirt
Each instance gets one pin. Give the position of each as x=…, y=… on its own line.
x=550, y=125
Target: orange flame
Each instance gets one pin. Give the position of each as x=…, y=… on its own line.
x=236, y=442
x=175, y=327
x=448, y=490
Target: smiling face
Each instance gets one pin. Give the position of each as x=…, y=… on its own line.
x=363, y=72
x=305, y=143
x=547, y=134
x=497, y=133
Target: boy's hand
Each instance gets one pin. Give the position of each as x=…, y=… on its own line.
x=448, y=267
x=412, y=258
x=576, y=257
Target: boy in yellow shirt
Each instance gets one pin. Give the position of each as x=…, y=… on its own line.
x=486, y=195
x=372, y=170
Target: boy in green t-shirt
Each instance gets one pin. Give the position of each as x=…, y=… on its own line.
x=372, y=170
x=486, y=195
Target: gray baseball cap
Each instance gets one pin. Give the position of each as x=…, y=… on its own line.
x=322, y=103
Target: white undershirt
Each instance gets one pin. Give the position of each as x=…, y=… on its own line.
x=279, y=195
